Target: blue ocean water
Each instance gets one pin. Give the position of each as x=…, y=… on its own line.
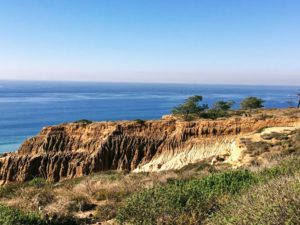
x=27, y=106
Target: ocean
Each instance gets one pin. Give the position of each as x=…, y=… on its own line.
x=27, y=106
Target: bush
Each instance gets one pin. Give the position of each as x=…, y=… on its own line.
x=9, y=216
x=80, y=203
x=183, y=202
x=106, y=212
x=252, y=103
x=37, y=182
x=213, y=114
x=84, y=121
x=276, y=202
x=139, y=121
x=190, y=107
x=12, y=216
x=223, y=105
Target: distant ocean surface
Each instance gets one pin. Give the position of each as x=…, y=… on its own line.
x=27, y=106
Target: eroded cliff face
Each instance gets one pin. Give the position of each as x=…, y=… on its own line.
x=77, y=149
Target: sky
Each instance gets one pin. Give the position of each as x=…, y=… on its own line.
x=172, y=41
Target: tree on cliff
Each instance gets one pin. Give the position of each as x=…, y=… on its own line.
x=252, y=103
x=223, y=105
x=190, y=107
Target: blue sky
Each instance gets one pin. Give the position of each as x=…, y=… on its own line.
x=186, y=41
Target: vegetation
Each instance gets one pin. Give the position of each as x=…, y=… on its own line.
x=214, y=199
x=140, y=121
x=213, y=114
x=10, y=216
x=223, y=105
x=190, y=107
x=275, y=202
x=85, y=121
x=252, y=103
x=183, y=202
x=196, y=194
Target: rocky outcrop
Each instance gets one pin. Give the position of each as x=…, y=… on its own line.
x=78, y=149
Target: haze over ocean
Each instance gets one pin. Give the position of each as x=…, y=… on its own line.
x=27, y=106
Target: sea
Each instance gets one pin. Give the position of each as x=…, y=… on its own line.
x=27, y=106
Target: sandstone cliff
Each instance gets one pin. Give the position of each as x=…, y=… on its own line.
x=78, y=149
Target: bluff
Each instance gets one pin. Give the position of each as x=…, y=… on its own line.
x=79, y=149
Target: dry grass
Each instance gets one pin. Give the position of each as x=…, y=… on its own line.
x=96, y=197
x=276, y=202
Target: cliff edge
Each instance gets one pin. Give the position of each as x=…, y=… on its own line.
x=78, y=149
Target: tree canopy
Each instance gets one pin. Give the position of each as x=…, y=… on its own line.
x=190, y=106
x=223, y=105
x=252, y=103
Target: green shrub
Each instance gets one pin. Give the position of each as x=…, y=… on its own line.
x=9, y=190
x=252, y=103
x=213, y=114
x=183, y=202
x=106, y=212
x=276, y=202
x=190, y=107
x=37, y=182
x=84, y=121
x=223, y=105
x=80, y=203
x=10, y=216
x=139, y=121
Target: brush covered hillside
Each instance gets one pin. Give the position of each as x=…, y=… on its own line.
x=242, y=168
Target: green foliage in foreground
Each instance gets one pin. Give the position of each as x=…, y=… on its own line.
x=276, y=202
x=183, y=202
x=9, y=216
x=194, y=201
x=12, y=216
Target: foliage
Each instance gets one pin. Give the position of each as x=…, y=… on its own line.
x=85, y=121
x=10, y=216
x=190, y=107
x=193, y=201
x=183, y=202
x=140, y=121
x=106, y=212
x=252, y=103
x=223, y=105
x=213, y=114
x=276, y=202
x=37, y=182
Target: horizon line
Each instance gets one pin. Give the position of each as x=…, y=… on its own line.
x=140, y=82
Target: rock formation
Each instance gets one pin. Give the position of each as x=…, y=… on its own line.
x=78, y=149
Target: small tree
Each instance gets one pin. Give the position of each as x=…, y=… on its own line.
x=223, y=105
x=190, y=107
x=252, y=103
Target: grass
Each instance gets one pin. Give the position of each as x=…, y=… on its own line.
x=195, y=201
x=196, y=194
x=10, y=216
x=183, y=202
x=275, y=202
